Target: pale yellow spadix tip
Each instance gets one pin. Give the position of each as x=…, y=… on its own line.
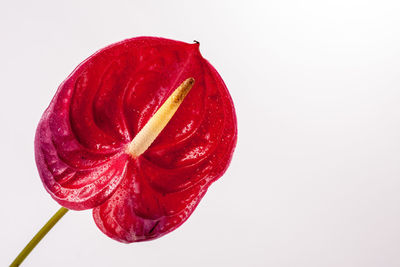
x=160, y=119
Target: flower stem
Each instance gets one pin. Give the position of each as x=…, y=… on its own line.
x=36, y=239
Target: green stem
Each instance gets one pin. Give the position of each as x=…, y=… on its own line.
x=39, y=236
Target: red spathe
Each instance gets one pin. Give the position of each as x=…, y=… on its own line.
x=82, y=137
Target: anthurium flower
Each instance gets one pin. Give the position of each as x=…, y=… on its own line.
x=87, y=139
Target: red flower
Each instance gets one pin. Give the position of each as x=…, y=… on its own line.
x=82, y=138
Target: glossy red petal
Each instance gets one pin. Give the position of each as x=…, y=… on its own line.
x=82, y=137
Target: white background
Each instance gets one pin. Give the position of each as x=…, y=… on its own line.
x=315, y=178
